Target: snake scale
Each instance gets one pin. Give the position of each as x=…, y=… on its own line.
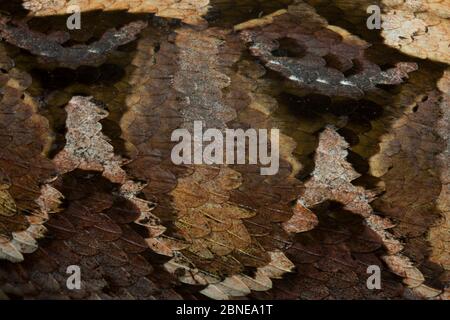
x=87, y=177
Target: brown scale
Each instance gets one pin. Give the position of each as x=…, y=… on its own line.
x=225, y=222
x=418, y=28
x=55, y=83
x=157, y=164
x=188, y=11
x=25, y=138
x=439, y=235
x=400, y=150
x=332, y=259
x=413, y=223
x=96, y=231
x=314, y=57
x=206, y=205
x=153, y=114
x=271, y=197
x=412, y=161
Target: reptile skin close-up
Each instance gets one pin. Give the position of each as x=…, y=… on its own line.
x=92, y=93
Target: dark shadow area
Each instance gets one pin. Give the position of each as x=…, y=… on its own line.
x=332, y=260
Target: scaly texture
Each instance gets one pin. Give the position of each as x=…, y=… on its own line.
x=141, y=227
x=189, y=11
x=439, y=236
x=332, y=259
x=331, y=180
x=25, y=138
x=408, y=157
x=301, y=46
x=87, y=148
x=418, y=28
x=49, y=49
x=209, y=205
x=96, y=232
